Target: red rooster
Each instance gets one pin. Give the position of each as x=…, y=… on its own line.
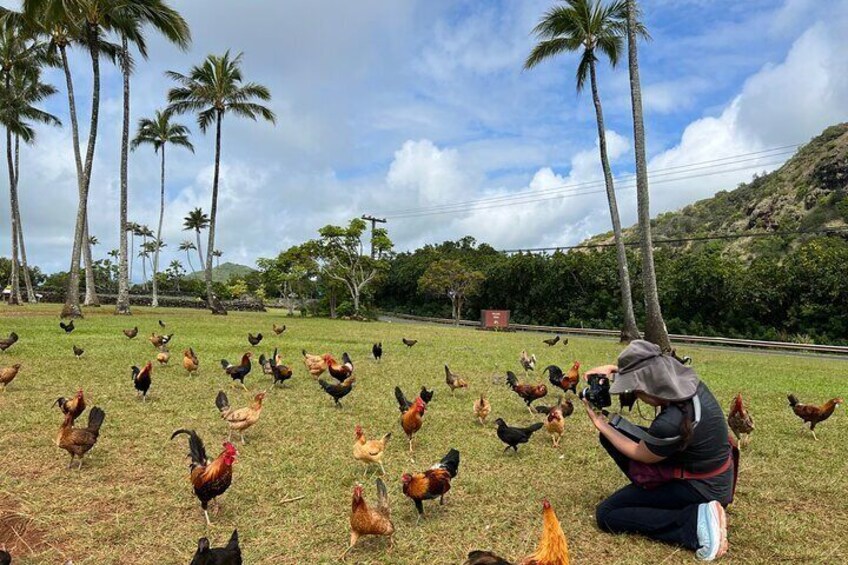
x=435, y=482
x=210, y=480
x=740, y=422
x=528, y=393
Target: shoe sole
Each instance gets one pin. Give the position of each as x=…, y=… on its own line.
x=719, y=514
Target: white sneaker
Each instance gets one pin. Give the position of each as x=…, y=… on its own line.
x=712, y=531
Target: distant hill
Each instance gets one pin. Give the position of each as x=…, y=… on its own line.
x=808, y=193
x=224, y=272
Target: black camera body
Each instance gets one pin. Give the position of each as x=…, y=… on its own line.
x=598, y=391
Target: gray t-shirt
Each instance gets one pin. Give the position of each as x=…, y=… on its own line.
x=708, y=449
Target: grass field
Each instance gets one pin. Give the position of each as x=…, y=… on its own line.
x=132, y=502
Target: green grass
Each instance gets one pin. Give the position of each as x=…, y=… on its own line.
x=132, y=502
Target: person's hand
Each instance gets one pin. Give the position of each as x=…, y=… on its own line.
x=607, y=370
x=596, y=418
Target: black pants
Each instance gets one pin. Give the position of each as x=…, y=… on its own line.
x=668, y=513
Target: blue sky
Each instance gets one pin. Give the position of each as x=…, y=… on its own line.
x=387, y=105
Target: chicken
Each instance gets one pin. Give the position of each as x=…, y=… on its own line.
x=74, y=406
x=550, y=342
x=159, y=340
x=67, y=327
x=435, y=482
x=739, y=421
x=685, y=360
x=279, y=329
x=513, y=437
x=528, y=393
x=265, y=363
x=79, y=441
x=412, y=416
x=8, y=374
x=163, y=356
x=566, y=382
x=404, y=404
x=141, y=379
x=370, y=452
x=227, y=555
x=131, y=333
x=813, y=414
x=528, y=362
x=240, y=371
x=409, y=342
x=482, y=409
x=453, y=380
x=338, y=390
x=161, y=324
x=315, y=364
x=78, y=351
x=241, y=419
x=555, y=424
x=8, y=342
x=210, y=480
x=377, y=351
x=367, y=521
x=567, y=407
x=254, y=340
x=552, y=548
x=190, y=361
x=280, y=372
x=339, y=372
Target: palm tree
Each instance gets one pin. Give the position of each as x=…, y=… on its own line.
x=132, y=229
x=197, y=220
x=655, y=328
x=158, y=132
x=187, y=246
x=175, y=269
x=144, y=254
x=217, y=254
x=168, y=22
x=590, y=26
x=213, y=89
x=143, y=232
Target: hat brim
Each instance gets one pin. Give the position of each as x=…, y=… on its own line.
x=662, y=377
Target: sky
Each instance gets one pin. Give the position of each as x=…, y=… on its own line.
x=406, y=108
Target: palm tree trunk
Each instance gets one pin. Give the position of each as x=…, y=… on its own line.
x=143, y=263
x=122, y=305
x=188, y=258
x=199, y=248
x=629, y=330
x=155, y=300
x=15, y=285
x=71, y=308
x=212, y=300
x=131, y=254
x=24, y=266
x=655, y=328
x=90, y=286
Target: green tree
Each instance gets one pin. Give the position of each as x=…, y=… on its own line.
x=450, y=278
x=592, y=26
x=188, y=246
x=159, y=132
x=175, y=272
x=212, y=90
x=290, y=275
x=197, y=220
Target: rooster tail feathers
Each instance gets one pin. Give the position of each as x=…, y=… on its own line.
x=382, y=495
x=225, y=364
x=387, y=437
x=262, y=359
x=95, y=419
x=303, y=351
x=346, y=359
x=793, y=400
x=447, y=371
x=234, y=541
x=401, y=399
x=450, y=462
x=195, y=446
x=221, y=401
x=511, y=379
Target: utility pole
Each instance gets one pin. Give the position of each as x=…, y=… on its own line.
x=374, y=221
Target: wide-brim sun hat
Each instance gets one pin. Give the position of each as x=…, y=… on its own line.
x=642, y=367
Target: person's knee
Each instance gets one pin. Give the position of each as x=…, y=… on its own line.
x=602, y=512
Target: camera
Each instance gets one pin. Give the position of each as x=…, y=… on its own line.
x=598, y=391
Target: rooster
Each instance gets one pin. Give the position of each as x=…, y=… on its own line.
x=78, y=351
x=67, y=327
x=813, y=414
x=280, y=372
x=8, y=374
x=240, y=371
x=241, y=419
x=367, y=521
x=377, y=351
x=550, y=342
x=159, y=340
x=435, y=482
x=131, y=333
x=740, y=422
x=8, y=342
x=412, y=416
x=566, y=382
x=338, y=390
x=339, y=372
x=254, y=340
x=79, y=441
x=552, y=548
x=528, y=393
x=141, y=379
x=453, y=380
x=74, y=406
x=527, y=362
x=409, y=342
x=404, y=404
x=210, y=480
x=190, y=361
x=278, y=329
x=370, y=452
x=482, y=409
x=227, y=555
x=315, y=364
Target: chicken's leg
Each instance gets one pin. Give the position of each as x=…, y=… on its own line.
x=71, y=462
x=244, y=387
x=242, y=438
x=354, y=537
x=382, y=468
x=206, y=513
x=530, y=410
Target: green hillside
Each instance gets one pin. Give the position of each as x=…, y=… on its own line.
x=224, y=272
x=808, y=193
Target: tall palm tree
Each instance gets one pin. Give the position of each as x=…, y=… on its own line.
x=135, y=15
x=655, y=328
x=213, y=89
x=143, y=232
x=158, y=132
x=132, y=229
x=217, y=254
x=187, y=246
x=592, y=26
x=196, y=221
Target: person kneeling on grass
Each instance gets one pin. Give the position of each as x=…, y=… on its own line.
x=682, y=468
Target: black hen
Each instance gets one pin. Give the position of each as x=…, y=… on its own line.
x=254, y=339
x=338, y=390
x=551, y=341
x=409, y=342
x=161, y=324
x=78, y=351
x=228, y=555
x=8, y=342
x=69, y=327
x=377, y=350
x=281, y=373
x=513, y=437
